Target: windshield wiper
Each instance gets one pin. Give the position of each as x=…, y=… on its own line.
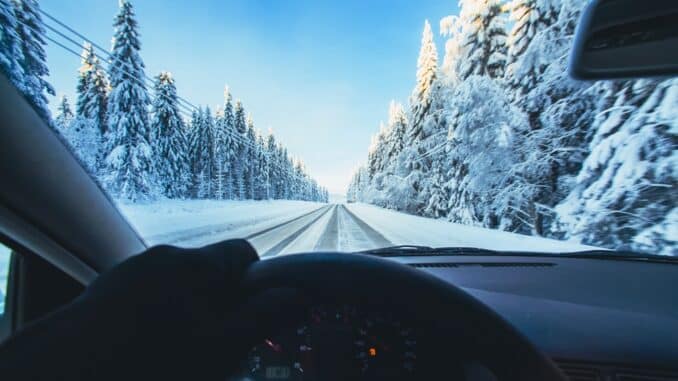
x=414, y=250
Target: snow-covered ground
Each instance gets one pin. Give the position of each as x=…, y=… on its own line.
x=406, y=229
x=286, y=227
x=199, y=222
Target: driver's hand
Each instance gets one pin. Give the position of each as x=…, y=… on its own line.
x=167, y=314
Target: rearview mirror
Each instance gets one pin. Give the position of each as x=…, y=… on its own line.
x=626, y=39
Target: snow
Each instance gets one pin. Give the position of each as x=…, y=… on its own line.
x=308, y=241
x=198, y=222
x=406, y=229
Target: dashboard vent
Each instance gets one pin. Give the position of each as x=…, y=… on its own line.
x=480, y=264
x=603, y=372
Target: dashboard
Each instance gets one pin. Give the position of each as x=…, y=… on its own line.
x=596, y=319
x=344, y=342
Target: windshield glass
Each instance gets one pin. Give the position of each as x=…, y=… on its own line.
x=273, y=121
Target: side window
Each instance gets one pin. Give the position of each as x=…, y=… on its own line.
x=4, y=275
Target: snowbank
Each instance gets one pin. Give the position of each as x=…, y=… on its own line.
x=197, y=222
x=406, y=229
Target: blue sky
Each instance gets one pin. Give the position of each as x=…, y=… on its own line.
x=320, y=74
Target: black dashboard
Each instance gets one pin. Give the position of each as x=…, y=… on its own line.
x=611, y=320
x=597, y=319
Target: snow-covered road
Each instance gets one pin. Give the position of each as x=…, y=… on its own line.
x=286, y=227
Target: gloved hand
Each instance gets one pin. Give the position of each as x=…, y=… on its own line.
x=167, y=314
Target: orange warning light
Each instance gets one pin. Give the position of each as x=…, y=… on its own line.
x=373, y=352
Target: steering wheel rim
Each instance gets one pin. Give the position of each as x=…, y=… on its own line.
x=363, y=279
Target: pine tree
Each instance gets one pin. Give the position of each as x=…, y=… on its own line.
x=80, y=134
x=92, y=90
x=64, y=115
x=202, y=153
x=129, y=163
x=427, y=68
x=273, y=176
x=251, y=159
x=397, y=125
x=225, y=151
x=11, y=55
x=534, y=21
x=170, y=145
x=33, y=58
x=239, y=172
x=262, y=184
x=625, y=193
x=92, y=104
x=483, y=39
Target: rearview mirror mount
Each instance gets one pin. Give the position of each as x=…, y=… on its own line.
x=626, y=39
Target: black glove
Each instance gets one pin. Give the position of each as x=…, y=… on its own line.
x=167, y=314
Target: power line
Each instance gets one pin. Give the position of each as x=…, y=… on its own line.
x=186, y=110
x=97, y=46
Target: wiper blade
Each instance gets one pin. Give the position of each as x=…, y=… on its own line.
x=415, y=250
x=618, y=255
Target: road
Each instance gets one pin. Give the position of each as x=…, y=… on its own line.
x=285, y=227
x=329, y=228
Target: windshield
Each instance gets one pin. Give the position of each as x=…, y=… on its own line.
x=314, y=126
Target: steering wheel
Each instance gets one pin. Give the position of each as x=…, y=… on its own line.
x=463, y=327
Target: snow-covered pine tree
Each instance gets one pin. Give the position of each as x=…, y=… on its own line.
x=559, y=110
x=227, y=147
x=80, y=134
x=207, y=156
x=427, y=69
x=273, y=168
x=10, y=44
x=192, y=134
x=483, y=38
x=288, y=168
x=625, y=195
x=251, y=164
x=239, y=164
x=92, y=90
x=129, y=172
x=481, y=125
x=33, y=57
x=91, y=105
x=397, y=125
x=201, y=148
x=437, y=198
x=262, y=184
x=220, y=163
x=64, y=116
x=532, y=20
x=170, y=145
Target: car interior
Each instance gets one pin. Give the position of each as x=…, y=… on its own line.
x=417, y=314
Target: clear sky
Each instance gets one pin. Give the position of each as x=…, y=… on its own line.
x=320, y=74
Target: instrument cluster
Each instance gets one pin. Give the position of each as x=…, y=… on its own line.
x=337, y=343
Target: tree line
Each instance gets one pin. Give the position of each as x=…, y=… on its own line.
x=139, y=146
x=497, y=135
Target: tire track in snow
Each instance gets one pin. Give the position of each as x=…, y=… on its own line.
x=329, y=240
x=261, y=232
x=276, y=249
x=360, y=236
x=215, y=229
